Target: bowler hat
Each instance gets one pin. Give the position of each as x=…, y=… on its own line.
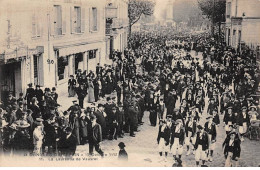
x=121, y=144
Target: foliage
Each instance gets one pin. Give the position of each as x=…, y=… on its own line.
x=213, y=9
x=137, y=8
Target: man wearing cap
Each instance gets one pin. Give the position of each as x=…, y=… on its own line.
x=68, y=143
x=81, y=92
x=122, y=155
x=133, y=119
x=201, y=146
x=121, y=120
x=210, y=128
x=19, y=110
x=30, y=93
x=20, y=99
x=228, y=119
x=35, y=108
x=10, y=100
x=54, y=94
x=38, y=93
x=152, y=108
x=190, y=130
x=244, y=122
x=232, y=149
x=212, y=105
x=113, y=123
x=11, y=115
x=163, y=138
x=95, y=137
x=177, y=139
x=171, y=101
x=101, y=119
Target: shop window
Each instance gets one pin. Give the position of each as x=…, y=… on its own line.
x=92, y=54
x=78, y=59
x=62, y=63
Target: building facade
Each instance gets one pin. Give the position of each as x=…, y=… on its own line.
x=117, y=25
x=44, y=41
x=243, y=23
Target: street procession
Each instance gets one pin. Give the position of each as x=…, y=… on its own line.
x=170, y=97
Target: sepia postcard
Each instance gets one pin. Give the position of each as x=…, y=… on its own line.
x=129, y=83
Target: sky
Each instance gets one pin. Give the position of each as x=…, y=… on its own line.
x=159, y=7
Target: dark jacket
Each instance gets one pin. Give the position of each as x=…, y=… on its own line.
x=204, y=141
x=212, y=131
x=165, y=135
x=177, y=135
x=122, y=155
x=100, y=118
x=68, y=146
x=234, y=148
x=97, y=134
x=192, y=129
x=81, y=93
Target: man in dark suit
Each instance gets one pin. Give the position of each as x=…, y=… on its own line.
x=210, y=128
x=113, y=123
x=133, y=120
x=95, y=137
x=201, y=146
x=29, y=94
x=81, y=92
x=38, y=93
x=68, y=143
x=101, y=119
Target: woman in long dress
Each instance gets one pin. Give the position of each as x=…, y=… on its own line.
x=72, y=86
x=91, y=96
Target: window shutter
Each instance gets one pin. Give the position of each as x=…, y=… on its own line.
x=72, y=28
x=33, y=25
x=38, y=24
x=83, y=16
x=98, y=19
x=52, y=21
x=64, y=25
x=90, y=19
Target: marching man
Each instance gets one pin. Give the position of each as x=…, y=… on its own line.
x=201, y=146
x=190, y=130
x=244, y=121
x=232, y=149
x=163, y=138
x=228, y=118
x=210, y=128
x=177, y=139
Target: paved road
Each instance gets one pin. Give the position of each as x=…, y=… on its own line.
x=142, y=149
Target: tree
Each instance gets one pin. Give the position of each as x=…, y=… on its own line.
x=215, y=10
x=137, y=8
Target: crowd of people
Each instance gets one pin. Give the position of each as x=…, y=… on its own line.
x=157, y=74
